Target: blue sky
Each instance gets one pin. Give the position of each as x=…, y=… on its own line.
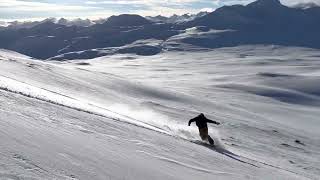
x=39, y=9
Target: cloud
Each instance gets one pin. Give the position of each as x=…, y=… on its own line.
x=140, y=1
x=147, y=3
x=17, y=9
x=206, y=10
x=39, y=6
x=294, y=2
x=123, y=2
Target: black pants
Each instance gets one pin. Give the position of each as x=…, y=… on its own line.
x=203, y=132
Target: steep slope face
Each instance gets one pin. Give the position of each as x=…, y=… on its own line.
x=270, y=14
x=86, y=121
x=43, y=40
x=261, y=22
x=44, y=141
x=104, y=35
x=53, y=39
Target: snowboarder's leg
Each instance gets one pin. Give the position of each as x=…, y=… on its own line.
x=203, y=132
x=211, y=141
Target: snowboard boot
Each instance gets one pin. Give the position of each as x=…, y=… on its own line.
x=211, y=141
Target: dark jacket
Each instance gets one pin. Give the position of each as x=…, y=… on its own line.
x=201, y=121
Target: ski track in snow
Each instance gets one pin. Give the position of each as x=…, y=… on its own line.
x=27, y=90
x=184, y=164
x=13, y=84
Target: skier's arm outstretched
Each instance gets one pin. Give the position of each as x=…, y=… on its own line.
x=191, y=120
x=211, y=121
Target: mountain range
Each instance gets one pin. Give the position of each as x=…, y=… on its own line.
x=260, y=22
x=176, y=18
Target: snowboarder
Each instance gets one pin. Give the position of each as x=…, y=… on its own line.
x=201, y=122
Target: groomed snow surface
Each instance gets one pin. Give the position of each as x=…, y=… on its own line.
x=125, y=116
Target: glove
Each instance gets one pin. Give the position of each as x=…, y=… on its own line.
x=217, y=123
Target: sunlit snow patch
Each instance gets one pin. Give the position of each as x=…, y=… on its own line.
x=15, y=86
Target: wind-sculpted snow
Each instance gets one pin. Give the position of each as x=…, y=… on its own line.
x=43, y=90
x=59, y=99
x=141, y=117
x=126, y=116
x=242, y=85
x=303, y=83
x=285, y=95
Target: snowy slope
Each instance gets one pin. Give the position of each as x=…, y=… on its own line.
x=125, y=116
